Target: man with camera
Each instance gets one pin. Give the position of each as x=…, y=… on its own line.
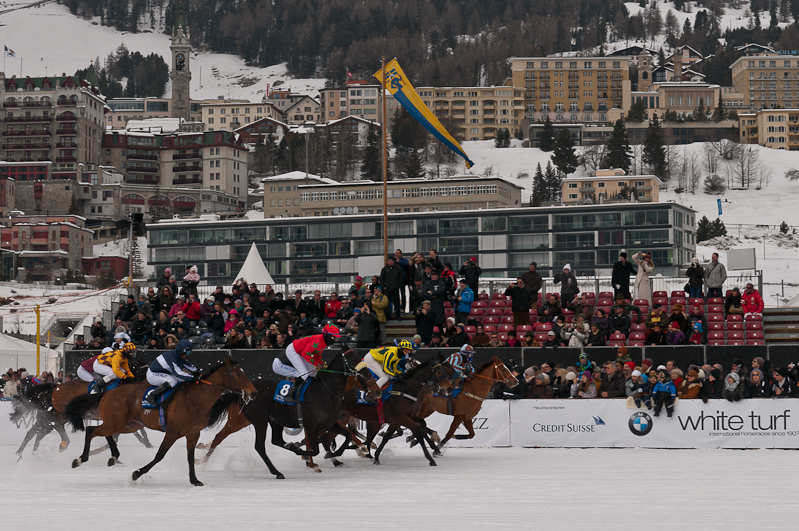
x=471, y=272
x=520, y=302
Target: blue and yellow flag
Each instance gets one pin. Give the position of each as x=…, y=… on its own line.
x=398, y=84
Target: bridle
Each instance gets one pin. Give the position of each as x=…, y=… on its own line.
x=437, y=374
x=224, y=389
x=498, y=374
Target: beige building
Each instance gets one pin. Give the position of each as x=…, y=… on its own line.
x=773, y=128
x=356, y=99
x=475, y=113
x=606, y=187
x=767, y=81
x=732, y=99
x=573, y=89
x=680, y=97
x=290, y=195
x=304, y=109
x=229, y=115
x=125, y=109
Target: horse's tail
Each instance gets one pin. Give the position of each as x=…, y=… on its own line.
x=41, y=396
x=78, y=407
x=20, y=410
x=219, y=409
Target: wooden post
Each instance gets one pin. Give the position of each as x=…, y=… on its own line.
x=38, y=352
x=385, y=161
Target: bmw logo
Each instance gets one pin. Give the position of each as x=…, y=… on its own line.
x=640, y=423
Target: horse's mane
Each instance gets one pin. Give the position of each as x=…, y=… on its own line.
x=484, y=365
x=209, y=371
x=412, y=372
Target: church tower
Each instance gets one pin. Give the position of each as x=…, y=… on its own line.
x=644, y=71
x=181, y=53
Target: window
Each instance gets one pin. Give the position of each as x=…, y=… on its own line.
x=528, y=241
x=572, y=241
x=528, y=223
x=427, y=226
x=494, y=223
x=457, y=245
x=458, y=226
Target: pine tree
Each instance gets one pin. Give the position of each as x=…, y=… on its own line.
x=371, y=167
x=73, y=206
x=654, y=153
x=537, y=197
x=784, y=228
x=637, y=112
x=700, y=113
x=414, y=169
x=564, y=157
x=552, y=183
x=703, y=230
x=718, y=112
x=547, y=138
x=717, y=228
x=619, y=147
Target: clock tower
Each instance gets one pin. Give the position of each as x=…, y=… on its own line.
x=181, y=52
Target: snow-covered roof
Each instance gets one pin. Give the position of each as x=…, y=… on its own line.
x=154, y=125
x=296, y=176
x=350, y=117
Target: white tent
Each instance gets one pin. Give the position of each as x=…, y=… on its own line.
x=254, y=270
x=16, y=353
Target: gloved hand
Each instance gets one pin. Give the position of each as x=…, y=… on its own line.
x=618, y=286
x=704, y=400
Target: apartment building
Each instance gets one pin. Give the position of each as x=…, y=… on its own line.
x=304, y=109
x=229, y=115
x=606, y=187
x=680, y=97
x=767, y=81
x=290, y=195
x=475, y=113
x=573, y=89
x=215, y=161
x=773, y=128
x=125, y=109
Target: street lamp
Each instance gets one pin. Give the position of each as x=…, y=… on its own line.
x=305, y=130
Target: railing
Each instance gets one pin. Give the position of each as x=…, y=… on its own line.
x=24, y=104
x=66, y=144
x=67, y=118
x=26, y=146
x=130, y=180
x=29, y=119
x=178, y=169
x=66, y=159
x=184, y=156
x=143, y=168
x=68, y=102
x=176, y=182
x=33, y=132
x=66, y=131
x=142, y=156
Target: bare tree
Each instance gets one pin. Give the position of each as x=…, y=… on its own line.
x=726, y=149
x=694, y=171
x=711, y=159
x=594, y=156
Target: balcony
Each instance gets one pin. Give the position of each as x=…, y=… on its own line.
x=179, y=169
x=643, y=188
x=588, y=108
x=141, y=180
x=32, y=132
x=66, y=159
x=20, y=119
x=66, y=131
x=27, y=104
x=66, y=144
x=183, y=181
x=67, y=119
x=142, y=156
x=142, y=169
x=26, y=146
x=184, y=156
x=587, y=190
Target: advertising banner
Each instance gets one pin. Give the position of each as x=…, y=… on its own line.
x=491, y=426
x=757, y=423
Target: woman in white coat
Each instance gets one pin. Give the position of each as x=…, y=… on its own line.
x=643, y=289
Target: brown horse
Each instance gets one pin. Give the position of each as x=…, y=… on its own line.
x=467, y=404
x=187, y=413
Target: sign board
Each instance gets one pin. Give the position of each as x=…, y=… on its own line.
x=738, y=259
x=718, y=201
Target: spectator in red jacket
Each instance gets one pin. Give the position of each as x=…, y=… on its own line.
x=332, y=306
x=751, y=300
x=192, y=308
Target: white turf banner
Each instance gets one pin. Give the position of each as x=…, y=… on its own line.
x=491, y=426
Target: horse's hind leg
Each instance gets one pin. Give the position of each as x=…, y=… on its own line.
x=467, y=423
x=166, y=444
x=234, y=423
x=141, y=436
x=112, y=443
x=59, y=428
x=191, y=443
x=32, y=432
x=87, y=443
x=387, y=437
x=418, y=431
x=260, y=446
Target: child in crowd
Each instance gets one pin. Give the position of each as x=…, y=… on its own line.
x=664, y=392
x=640, y=390
x=696, y=335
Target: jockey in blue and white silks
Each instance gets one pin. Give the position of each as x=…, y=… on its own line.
x=170, y=368
x=461, y=361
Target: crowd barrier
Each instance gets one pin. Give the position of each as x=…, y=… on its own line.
x=610, y=423
x=258, y=363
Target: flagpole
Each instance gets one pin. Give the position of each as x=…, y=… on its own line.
x=385, y=162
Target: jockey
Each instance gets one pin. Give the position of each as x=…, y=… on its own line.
x=170, y=368
x=113, y=365
x=86, y=369
x=389, y=362
x=461, y=361
x=304, y=356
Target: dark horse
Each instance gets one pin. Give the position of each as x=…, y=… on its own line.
x=50, y=402
x=321, y=409
x=400, y=409
x=37, y=405
x=188, y=412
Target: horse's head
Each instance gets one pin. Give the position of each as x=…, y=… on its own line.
x=236, y=381
x=441, y=376
x=362, y=375
x=502, y=373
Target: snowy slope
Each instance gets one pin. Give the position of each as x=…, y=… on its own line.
x=742, y=209
x=48, y=39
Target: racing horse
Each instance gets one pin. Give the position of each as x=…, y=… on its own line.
x=189, y=411
x=465, y=406
x=50, y=402
x=321, y=409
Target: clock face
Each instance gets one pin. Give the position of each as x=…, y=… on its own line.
x=180, y=61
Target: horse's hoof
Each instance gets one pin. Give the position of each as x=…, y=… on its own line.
x=317, y=470
x=360, y=452
x=202, y=446
x=377, y=462
x=112, y=461
x=197, y=483
x=435, y=437
x=329, y=455
x=62, y=446
x=280, y=476
x=77, y=462
x=136, y=475
x=19, y=457
x=433, y=463
x=337, y=463
x=149, y=446
x=436, y=454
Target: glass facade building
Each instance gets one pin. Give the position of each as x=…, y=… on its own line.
x=505, y=241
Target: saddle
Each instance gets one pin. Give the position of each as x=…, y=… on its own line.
x=386, y=392
x=162, y=401
x=111, y=386
x=282, y=391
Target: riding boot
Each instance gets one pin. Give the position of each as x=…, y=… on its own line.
x=369, y=399
x=158, y=391
x=99, y=386
x=293, y=392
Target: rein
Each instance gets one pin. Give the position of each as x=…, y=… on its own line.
x=494, y=380
x=225, y=389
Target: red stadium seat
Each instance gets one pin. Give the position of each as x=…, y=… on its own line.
x=617, y=344
x=735, y=336
x=715, y=309
x=754, y=326
x=543, y=327
x=479, y=304
x=505, y=328
x=523, y=329
x=617, y=336
x=663, y=301
x=715, y=327
x=715, y=300
x=477, y=312
x=735, y=317
x=508, y=319
x=499, y=297
x=447, y=304
x=677, y=294
x=483, y=297
x=557, y=295
x=605, y=294
x=498, y=312
x=660, y=295
x=507, y=311
x=589, y=295
x=754, y=335
x=758, y=342
x=678, y=300
x=735, y=342
x=490, y=329
x=638, y=328
x=603, y=303
x=541, y=338
x=754, y=317
x=497, y=304
x=735, y=327
x=490, y=320
x=569, y=318
x=716, y=343
x=727, y=293
x=637, y=336
x=449, y=313
x=715, y=336
x=696, y=302
x=715, y=318
x=436, y=330
x=470, y=330
x=635, y=344
x=640, y=302
x=502, y=336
